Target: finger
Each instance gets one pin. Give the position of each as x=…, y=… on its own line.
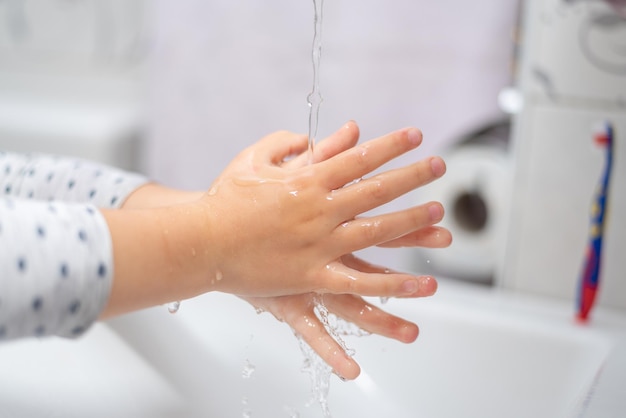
x=361, y=233
x=428, y=237
x=312, y=331
x=358, y=161
x=344, y=138
x=368, y=194
x=278, y=146
x=298, y=312
x=306, y=324
x=427, y=285
x=352, y=275
x=370, y=318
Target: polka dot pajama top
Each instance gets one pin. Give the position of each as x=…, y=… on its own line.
x=56, y=259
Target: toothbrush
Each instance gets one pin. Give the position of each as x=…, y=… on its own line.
x=590, y=278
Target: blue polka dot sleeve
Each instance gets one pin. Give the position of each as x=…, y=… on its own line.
x=48, y=178
x=56, y=263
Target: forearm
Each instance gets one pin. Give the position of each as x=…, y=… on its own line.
x=160, y=255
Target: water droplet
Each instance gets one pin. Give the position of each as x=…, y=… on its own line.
x=365, y=309
x=248, y=369
x=384, y=299
x=259, y=311
x=173, y=307
x=353, y=182
x=291, y=412
x=247, y=412
x=308, y=322
x=193, y=252
x=219, y=275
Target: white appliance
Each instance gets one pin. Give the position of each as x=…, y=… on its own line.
x=572, y=76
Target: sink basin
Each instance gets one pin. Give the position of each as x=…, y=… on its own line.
x=471, y=363
x=480, y=353
x=97, y=376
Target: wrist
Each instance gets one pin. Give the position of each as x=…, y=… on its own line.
x=160, y=255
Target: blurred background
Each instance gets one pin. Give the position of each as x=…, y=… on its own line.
x=510, y=92
x=176, y=89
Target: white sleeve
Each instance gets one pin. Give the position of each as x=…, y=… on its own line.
x=56, y=268
x=47, y=177
x=56, y=262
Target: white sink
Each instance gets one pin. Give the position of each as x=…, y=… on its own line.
x=480, y=353
x=98, y=376
x=480, y=362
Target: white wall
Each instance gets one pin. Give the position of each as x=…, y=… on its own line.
x=70, y=78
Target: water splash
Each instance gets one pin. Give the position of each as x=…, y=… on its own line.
x=319, y=374
x=291, y=412
x=335, y=326
x=248, y=369
x=247, y=412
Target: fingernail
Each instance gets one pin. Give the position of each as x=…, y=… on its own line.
x=410, y=286
x=415, y=136
x=438, y=166
x=428, y=285
x=435, y=211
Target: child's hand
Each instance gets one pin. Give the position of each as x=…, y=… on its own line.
x=278, y=228
x=273, y=226
x=298, y=312
x=282, y=231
